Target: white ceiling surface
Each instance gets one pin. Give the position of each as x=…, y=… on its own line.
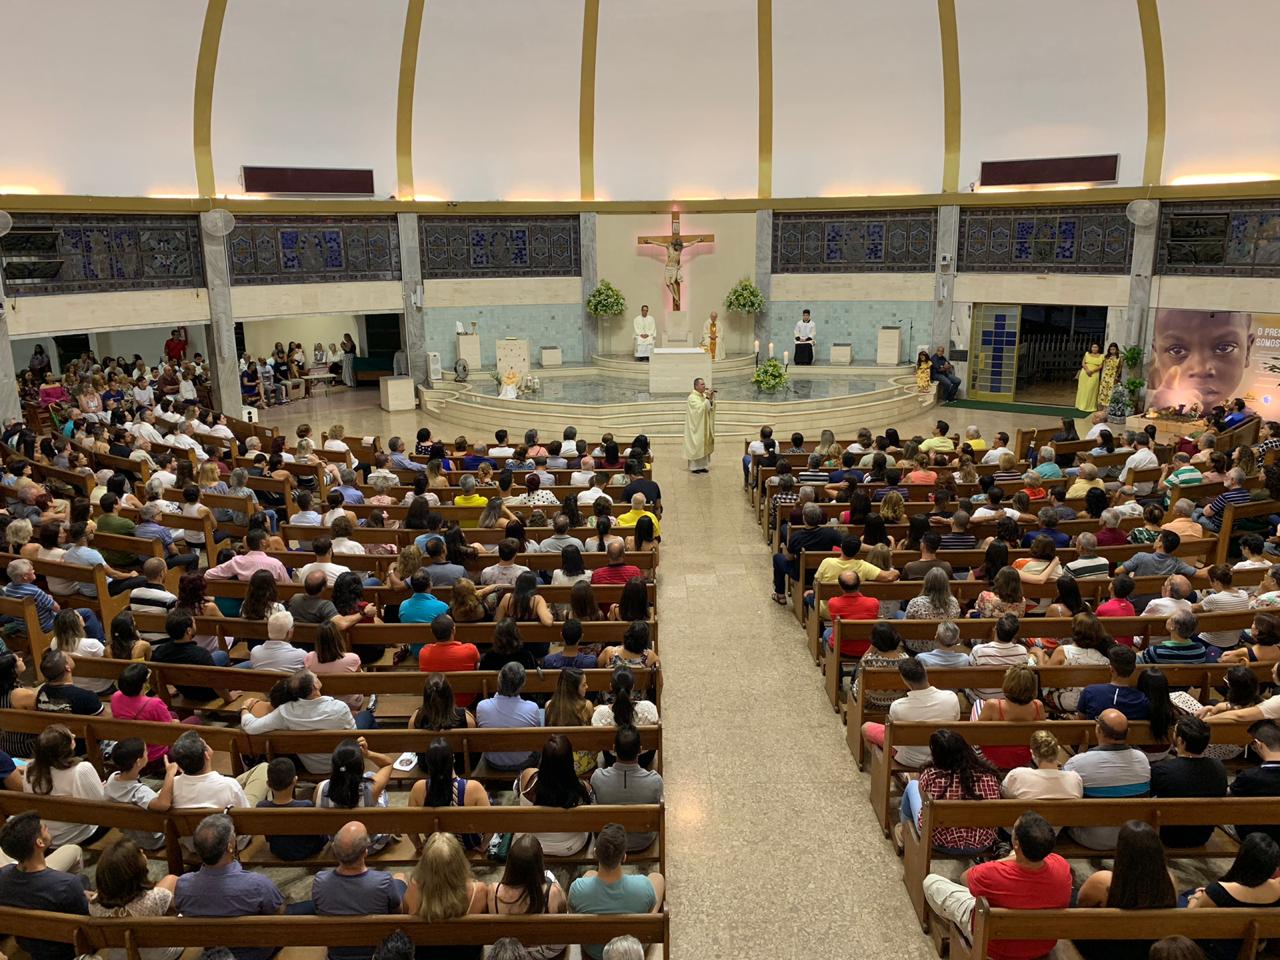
x=98, y=96
x=857, y=98
x=676, y=100
x=1039, y=80
x=307, y=83
x=1222, y=112
x=496, y=105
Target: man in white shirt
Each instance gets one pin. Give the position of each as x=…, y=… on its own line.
x=501, y=447
x=999, y=450
x=756, y=448
x=646, y=333
x=805, y=335
x=583, y=475
x=323, y=549
x=1172, y=599
x=145, y=427
x=184, y=437
x=199, y=785
x=1099, y=421
x=1002, y=650
x=587, y=497
x=1141, y=459
x=278, y=653
x=922, y=702
x=992, y=508
x=309, y=710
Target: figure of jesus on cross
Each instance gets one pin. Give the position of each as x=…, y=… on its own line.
x=675, y=245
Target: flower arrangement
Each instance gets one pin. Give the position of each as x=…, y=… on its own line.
x=745, y=297
x=770, y=376
x=1119, y=405
x=606, y=300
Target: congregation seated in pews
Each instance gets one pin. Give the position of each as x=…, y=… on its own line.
x=462, y=646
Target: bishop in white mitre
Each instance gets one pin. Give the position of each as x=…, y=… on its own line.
x=646, y=333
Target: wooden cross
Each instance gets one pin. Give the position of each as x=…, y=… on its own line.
x=675, y=244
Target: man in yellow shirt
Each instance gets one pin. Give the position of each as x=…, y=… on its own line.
x=939, y=442
x=1086, y=481
x=637, y=511
x=830, y=569
x=468, y=497
x=973, y=437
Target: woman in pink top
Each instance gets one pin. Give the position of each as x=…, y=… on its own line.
x=331, y=655
x=131, y=702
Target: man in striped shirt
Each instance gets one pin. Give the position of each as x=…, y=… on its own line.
x=1223, y=599
x=21, y=584
x=1211, y=516
x=1180, y=472
x=1088, y=564
x=1183, y=646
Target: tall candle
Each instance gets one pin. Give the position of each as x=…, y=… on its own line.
x=770, y=349
x=757, y=346
x=786, y=357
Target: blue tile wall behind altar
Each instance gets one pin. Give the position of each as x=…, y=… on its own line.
x=475, y=247
x=850, y=321
x=542, y=324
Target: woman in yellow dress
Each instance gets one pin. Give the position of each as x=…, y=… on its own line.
x=923, y=369
x=1111, y=365
x=1090, y=370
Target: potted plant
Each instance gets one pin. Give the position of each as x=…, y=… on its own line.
x=1134, y=386
x=744, y=298
x=606, y=300
x=770, y=376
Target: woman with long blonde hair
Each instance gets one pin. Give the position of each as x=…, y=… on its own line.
x=409, y=560
x=892, y=508
x=442, y=887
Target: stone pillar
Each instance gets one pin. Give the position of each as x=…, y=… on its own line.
x=10, y=405
x=590, y=277
x=224, y=364
x=1136, y=325
x=944, y=276
x=764, y=274
x=415, y=314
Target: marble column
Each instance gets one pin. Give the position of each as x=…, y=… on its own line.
x=764, y=274
x=415, y=316
x=10, y=405
x=944, y=276
x=590, y=277
x=224, y=365
x=1136, y=327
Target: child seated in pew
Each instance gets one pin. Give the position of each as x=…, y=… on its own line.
x=282, y=779
x=126, y=786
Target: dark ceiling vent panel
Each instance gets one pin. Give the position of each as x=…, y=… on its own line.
x=1017, y=173
x=308, y=181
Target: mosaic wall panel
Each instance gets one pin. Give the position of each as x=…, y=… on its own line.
x=870, y=242
x=478, y=247
x=1236, y=239
x=313, y=249
x=52, y=254
x=1045, y=240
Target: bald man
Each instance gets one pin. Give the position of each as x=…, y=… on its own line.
x=638, y=505
x=351, y=889
x=1111, y=769
x=1175, y=594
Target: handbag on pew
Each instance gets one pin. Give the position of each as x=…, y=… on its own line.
x=500, y=847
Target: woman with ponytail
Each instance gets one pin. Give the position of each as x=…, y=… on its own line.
x=442, y=789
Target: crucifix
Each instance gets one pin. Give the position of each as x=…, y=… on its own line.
x=675, y=244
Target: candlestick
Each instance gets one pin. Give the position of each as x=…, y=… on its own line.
x=786, y=357
x=757, y=346
x=770, y=349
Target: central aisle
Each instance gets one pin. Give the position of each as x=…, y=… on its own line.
x=773, y=851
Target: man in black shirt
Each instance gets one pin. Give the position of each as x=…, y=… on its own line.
x=58, y=694
x=181, y=647
x=1189, y=774
x=30, y=884
x=640, y=484
x=815, y=536
x=1261, y=781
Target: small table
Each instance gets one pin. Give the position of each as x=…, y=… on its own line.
x=312, y=381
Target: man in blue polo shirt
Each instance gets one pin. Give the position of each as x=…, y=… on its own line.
x=1119, y=693
x=1048, y=528
x=1184, y=644
x=1210, y=517
x=507, y=708
x=1111, y=769
x=422, y=607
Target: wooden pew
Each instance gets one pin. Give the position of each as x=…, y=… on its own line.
x=1232, y=515
x=605, y=593
x=918, y=852
x=105, y=605
x=24, y=611
x=979, y=630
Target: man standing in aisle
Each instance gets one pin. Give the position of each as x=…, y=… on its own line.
x=646, y=333
x=700, y=427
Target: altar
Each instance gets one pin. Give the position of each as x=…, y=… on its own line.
x=673, y=369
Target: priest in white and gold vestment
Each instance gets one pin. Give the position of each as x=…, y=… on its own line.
x=700, y=427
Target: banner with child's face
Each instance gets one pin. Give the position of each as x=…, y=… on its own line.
x=1212, y=356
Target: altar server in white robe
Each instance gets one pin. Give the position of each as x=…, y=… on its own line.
x=646, y=333
x=700, y=427
x=806, y=332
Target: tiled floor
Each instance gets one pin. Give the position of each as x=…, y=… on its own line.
x=773, y=852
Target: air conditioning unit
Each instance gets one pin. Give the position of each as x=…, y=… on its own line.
x=434, y=370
